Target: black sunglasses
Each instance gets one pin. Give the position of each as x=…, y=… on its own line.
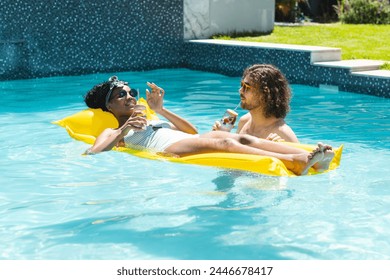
x=133, y=93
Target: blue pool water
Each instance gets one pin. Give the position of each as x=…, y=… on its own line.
x=57, y=204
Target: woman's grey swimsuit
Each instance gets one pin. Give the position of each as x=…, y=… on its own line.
x=157, y=136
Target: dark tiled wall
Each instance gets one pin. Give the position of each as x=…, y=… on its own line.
x=346, y=81
x=231, y=60
x=53, y=37
x=71, y=37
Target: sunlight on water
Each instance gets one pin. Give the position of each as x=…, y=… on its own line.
x=57, y=204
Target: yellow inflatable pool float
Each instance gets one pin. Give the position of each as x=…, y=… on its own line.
x=86, y=125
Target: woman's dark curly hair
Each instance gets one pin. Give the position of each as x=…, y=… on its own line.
x=275, y=92
x=96, y=97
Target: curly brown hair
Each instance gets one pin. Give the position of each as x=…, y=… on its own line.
x=273, y=87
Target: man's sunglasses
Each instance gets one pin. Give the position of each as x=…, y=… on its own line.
x=245, y=87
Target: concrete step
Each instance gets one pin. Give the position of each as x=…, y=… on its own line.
x=317, y=54
x=382, y=74
x=355, y=65
x=325, y=54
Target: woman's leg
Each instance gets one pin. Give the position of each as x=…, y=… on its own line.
x=255, y=142
x=299, y=163
x=321, y=162
x=227, y=145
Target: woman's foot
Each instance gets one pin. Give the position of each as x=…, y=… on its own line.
x=328, y=155
x=320, y=159
x=311, y=159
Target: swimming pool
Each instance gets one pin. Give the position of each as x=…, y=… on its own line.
x=57, y=204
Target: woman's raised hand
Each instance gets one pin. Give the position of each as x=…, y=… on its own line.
x=155, y=98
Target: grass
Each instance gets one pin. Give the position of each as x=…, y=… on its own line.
x=356, y=41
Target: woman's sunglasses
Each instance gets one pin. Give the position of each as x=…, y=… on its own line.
x=133, y=93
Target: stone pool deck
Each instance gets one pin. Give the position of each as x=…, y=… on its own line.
x=310, y=65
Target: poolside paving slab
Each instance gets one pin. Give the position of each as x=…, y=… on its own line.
x=318, y=53
x=384, y=74
x=354, y=65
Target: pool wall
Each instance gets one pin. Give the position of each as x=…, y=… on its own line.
x=308, y=65
x=73, y=37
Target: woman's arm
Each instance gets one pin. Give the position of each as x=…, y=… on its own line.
x=155, y=102
x=111, y=137
x=105, y=141
x=178, y=122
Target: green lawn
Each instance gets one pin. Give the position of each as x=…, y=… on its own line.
x=357, y=41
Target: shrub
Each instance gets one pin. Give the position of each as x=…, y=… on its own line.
x=364, y=11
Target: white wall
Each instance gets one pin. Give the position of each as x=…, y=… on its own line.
x=204, y=18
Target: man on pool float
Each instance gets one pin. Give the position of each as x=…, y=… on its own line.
x=179, y=137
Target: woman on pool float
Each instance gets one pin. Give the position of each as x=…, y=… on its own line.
x=179, y=137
